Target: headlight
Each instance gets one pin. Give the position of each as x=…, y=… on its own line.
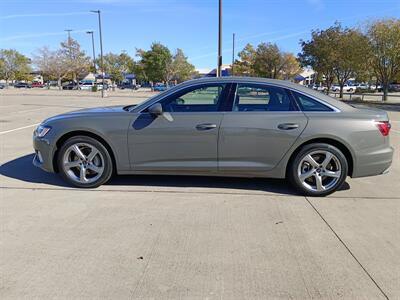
x=42, y=130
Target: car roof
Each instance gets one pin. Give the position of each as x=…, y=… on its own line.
x=235, y=79
x=282, y=83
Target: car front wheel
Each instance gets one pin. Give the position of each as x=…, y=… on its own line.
x=84, y=162
x=318, y=170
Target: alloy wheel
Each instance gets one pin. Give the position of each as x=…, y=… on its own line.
x=319, y=171
x=83, y=163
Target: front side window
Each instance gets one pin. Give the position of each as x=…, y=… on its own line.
x=262, y=98
x=201, y=99
x=308, y=104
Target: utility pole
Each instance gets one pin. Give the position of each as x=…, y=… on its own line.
x=233, y=53
x=98, y=12
x=219, y=67
x=94, y=55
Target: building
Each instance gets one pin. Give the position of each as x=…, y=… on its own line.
x=306, y=77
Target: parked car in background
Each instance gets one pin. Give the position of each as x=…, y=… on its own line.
x=394, y=87
x=22, y=85
x=87, y=85
x=37, y=85
x=160, y=87
x=319, y=87
x=128, y=85
x=346, y=88
x=226, y=126
x=70, y=86
x=391, y=88
x=362, y=86
x=2, y=86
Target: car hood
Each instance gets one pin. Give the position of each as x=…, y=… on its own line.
x=88, y=112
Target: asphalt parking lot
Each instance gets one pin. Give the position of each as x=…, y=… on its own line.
x=154, y=237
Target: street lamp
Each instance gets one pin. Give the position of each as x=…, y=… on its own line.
x=98, y=12
x=94, y=55
x=233, y=54
x=219, y=71
x=69, y=33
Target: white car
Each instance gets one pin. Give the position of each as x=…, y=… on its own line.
x=363, y=86
x=86, y=85
x=346, y=88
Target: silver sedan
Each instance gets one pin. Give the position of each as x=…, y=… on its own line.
x=228, y=126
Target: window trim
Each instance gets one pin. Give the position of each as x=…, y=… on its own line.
x=333, y=108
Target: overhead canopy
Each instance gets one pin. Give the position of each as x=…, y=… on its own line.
x=299, y=78
x=130, y=76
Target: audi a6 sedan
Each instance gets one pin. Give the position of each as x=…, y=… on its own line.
x=230, y=126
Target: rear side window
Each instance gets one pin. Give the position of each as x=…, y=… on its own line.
x=309, y=104
x=251, y=97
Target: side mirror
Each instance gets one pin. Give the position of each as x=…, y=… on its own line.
x=156, y=109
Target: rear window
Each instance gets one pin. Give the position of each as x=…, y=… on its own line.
x=308, y=104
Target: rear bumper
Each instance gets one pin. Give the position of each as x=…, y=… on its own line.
x=374, y=163
x=44, y=153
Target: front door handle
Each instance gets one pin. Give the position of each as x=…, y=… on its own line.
x=206, y=126
x=288, y=126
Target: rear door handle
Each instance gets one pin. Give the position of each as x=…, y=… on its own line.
x=288, y=126
x=206, y=126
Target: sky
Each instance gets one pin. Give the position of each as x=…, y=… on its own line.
x=192, y=25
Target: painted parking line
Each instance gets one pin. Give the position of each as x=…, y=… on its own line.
x=19, y=128
x=396, y=131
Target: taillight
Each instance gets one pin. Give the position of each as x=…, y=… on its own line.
x=383, y=126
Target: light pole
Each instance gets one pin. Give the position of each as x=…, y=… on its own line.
x=98, y=12
x=69, y=33
x=219, y=71
x=70, y=51
x=233, y=53
x=94, y=55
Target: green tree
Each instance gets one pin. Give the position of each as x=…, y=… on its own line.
x=384, y=44
x=351, y=53
x=291, y=66
x=319, y=54
x=181, y=69
x=244, y=65
x=116, y=65
x=267, y=60
x=156, y=63
x=336, y=52
x=14, y=65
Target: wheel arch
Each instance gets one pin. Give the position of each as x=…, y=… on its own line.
x=331, y=141
x=62, y=139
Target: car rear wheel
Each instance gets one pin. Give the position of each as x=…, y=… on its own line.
x=318, y=170
x=84, y=162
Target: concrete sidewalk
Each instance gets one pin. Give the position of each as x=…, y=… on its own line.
x=155, y=237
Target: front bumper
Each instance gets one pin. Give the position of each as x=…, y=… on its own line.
x=374, y=163
x=44, y=153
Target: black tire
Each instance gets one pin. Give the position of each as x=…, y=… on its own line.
x=107, y=163
x=293, y=169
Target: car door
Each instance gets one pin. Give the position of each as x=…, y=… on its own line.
x=185, y=136
x=264, y=123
